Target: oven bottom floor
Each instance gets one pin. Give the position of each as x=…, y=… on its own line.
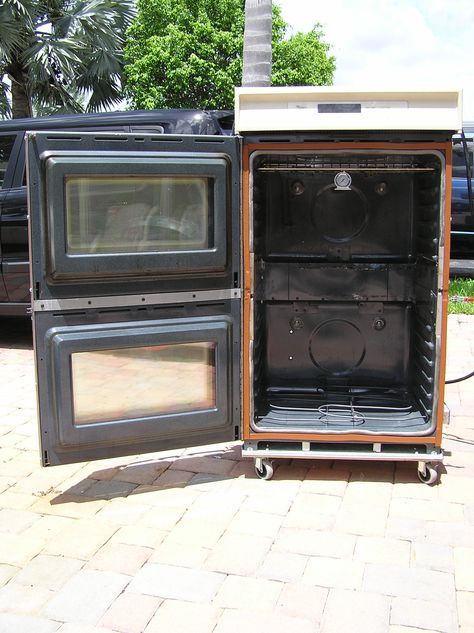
x=358, y=410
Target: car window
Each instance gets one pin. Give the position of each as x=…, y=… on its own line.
x=148, y=129
x=6, y=146
x=459, y=159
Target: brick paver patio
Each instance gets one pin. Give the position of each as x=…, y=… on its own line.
x=190, y=541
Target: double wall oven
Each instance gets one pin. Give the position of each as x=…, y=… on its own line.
x=286, y=286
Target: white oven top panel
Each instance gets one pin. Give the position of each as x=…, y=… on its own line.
x=332, y=108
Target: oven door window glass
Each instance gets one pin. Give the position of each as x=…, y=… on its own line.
x=121, y=214
x=138, y=382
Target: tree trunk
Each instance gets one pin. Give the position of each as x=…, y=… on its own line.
x=21, y=102
x=257, y=62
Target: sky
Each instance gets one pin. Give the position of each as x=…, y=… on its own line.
x=395, y=43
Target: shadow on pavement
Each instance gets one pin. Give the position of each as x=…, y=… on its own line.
x=158, y=475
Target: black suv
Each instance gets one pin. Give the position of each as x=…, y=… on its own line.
x=14, y=272
x=462, y=209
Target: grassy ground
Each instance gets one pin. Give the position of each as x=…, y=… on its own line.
x=459, y=287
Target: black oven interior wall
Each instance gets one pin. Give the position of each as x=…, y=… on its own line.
x=345, y=291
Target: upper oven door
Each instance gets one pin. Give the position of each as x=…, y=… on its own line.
x=120, y=213
x=135, y=273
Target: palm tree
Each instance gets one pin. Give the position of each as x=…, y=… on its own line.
x=257, y=62
x=61, y=54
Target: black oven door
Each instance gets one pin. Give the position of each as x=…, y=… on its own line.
x=135, y=276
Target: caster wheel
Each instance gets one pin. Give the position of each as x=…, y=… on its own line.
x=429, y=475
x=264, y=468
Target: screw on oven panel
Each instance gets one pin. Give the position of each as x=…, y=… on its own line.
x=296, y=323
x=379, y=323
x=297, y=188
x=381, y=188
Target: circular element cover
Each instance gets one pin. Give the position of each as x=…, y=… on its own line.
x=340, y=215
x=337, y=347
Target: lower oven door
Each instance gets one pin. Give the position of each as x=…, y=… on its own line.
x=116, y=381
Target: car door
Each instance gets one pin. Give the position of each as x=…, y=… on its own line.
x=10, y=144
x=135, y=265
x=14, y=233
x=14, y=230
x=462, y=215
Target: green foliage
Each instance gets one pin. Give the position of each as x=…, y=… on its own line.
x=55, y=53
x=303, y=60
x=460, y=287
x=188, y=54
x=184, y=53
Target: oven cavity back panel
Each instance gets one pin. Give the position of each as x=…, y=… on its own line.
x=330, y=108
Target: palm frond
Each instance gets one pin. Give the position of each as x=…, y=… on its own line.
x=101, y=63
x=5, y=105
x=54, y=96
x=105, y=93
x=50, y=57
x=64, y=49
x=105, y=18
x=21, y=7
x=11, y=36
